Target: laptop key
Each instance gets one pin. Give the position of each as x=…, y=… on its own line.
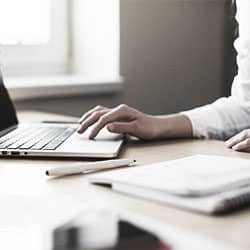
x=59, y=140
x=3, y=145
x=11, y=135
x=65, y=135
x=8, y=143
x=26, y=138
x=40, y=145
x=30, y=143
x=53, y=145
x=23, y=135
x=47, y=139
x=37, y=138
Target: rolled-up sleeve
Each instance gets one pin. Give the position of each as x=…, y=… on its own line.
x=228, y=116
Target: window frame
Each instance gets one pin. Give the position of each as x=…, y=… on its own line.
x=52, y=57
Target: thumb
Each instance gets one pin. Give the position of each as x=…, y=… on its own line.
x=122, y=127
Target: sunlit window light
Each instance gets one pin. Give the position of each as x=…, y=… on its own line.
x=25, y=22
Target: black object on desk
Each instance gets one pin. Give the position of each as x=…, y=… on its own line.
x=104, y=233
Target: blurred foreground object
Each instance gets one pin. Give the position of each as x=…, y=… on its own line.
x=103, y=230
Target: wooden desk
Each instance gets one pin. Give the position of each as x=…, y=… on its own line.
x=22, y=180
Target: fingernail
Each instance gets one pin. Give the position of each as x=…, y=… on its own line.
x=91, y=136
x=229, y=143
x=111, y=127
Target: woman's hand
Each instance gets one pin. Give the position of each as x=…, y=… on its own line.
x=240, y=142
x=122, y=119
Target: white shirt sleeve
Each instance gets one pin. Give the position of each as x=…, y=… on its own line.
x=228, y=116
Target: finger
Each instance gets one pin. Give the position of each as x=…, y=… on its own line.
x=123, y=127
x=237, y=139
x=120, y=113
x=94, y=117
x=90, y=112
x=243, y=145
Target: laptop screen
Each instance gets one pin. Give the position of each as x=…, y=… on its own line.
x=8, y=116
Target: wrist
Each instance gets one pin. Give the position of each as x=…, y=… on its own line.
x=172, y=126
x=155, y=127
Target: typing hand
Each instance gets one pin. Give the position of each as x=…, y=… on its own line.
x=240, y=142
x=121, y=119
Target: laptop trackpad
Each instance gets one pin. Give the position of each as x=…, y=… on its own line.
x=105, y=142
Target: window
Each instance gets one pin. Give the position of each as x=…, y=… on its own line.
x=60, y=47
x=33, y=36
x=20, y=29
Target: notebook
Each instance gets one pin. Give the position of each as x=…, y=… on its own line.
x=202, y=183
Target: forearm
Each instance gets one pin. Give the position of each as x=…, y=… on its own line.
x=173, y=126
x=221, y=119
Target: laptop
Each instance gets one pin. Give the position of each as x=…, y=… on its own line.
x=50, y=139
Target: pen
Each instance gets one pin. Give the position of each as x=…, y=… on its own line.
x=79, y=168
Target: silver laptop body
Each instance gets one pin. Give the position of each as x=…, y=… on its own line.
x=50, y=139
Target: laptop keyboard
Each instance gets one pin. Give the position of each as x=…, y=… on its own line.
x=36, y=138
